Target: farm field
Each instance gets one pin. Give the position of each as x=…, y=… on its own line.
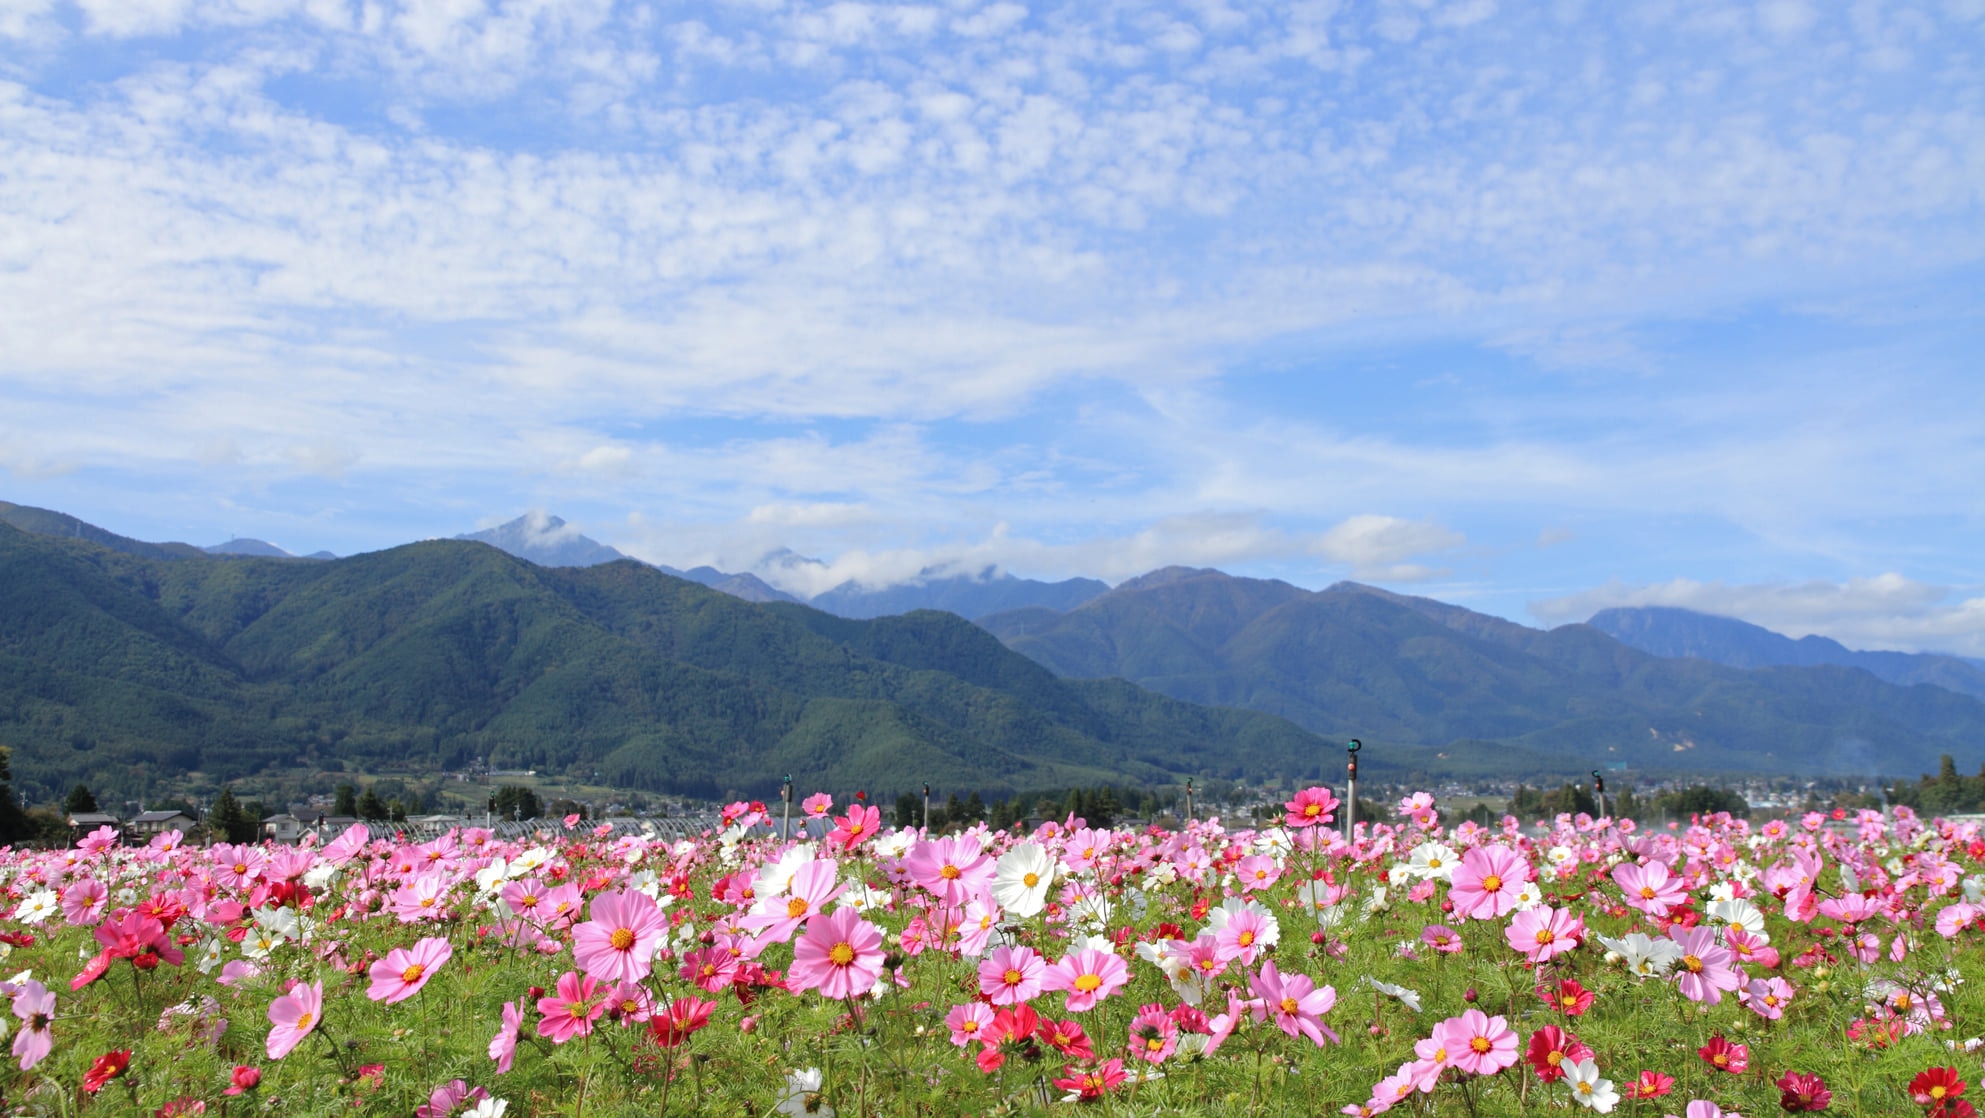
x=1565, y=966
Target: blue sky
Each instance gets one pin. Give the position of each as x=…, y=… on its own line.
x=1533, y=307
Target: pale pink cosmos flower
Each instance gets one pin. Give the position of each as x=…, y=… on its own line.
x=403, y=971
x=1011, y=975
x=293, y=1016
x=1488, y=882
x=1296, y=1003
x=817, y=805
x=969, y=1023
x=1544, y=933
x=619, y=943
x=35, y=1006
x=503, y=1047
x=1704, y=971
x=1767, y=997
x=1442, y=938
x=813, y=886
x=1432, y=1059
x=99, y=840
x=1154, y=1036
x=82, y=902
x=839, y=954
x=1088, y=976
x=1477, y=1043
x=1951, y=919
x=1650, y=888
x=572, y=1009
x=953, y=869
x=423, y=898
x=1242, y=936
x=1257, y=871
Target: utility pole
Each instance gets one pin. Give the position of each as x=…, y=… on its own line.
x=926, y=809
x=786, y=819
x=1351, y=789
x=1599, y=791
x=1188, y=799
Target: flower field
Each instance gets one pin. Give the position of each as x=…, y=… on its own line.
x=1569, y=966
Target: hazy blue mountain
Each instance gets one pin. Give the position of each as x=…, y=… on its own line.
x=545, y=540
x=1356, y=661
x=969, y=596
x=743, y=585
x=261, y=549
x=1667, y=631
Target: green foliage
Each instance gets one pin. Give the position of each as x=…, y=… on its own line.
x=80, y=799
x=371, y=807
x=1700, y=799
x=230, y=822
x=346, y=801
x=1946, y=793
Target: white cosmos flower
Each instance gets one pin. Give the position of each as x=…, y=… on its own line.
x=259, y=942
x=1408, y=998
x=1271, y=932
x=529, y=862
x=1021, y=879
x=39, y=906
x=1587, y=1089
x=1091, y=908
x=802, y=1097
x=208, y=956
x=1739, y=913
x=894, y=844
x=491, y=877
x=1645, y=956
x=487, y=1108
x=777, y=877
x=1433, y=861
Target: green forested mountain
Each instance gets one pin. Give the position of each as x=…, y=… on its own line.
x=1354, y=660
x=122, y=668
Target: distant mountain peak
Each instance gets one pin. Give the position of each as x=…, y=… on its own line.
x=547, y=540
x=1166, y=575
x=241, y=545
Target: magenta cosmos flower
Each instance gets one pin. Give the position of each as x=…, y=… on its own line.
x=403, y=971
x=1649, y=888
x=1704, y=971
x=1296, y=1003
x=1488, y=882
x=1544, y=933
x=1477, y=1043
x=619, y=942
x=1088, y=975
x=293, y=1016
x=839, y=954
x=572, y=1009
x=954, y=869
x=1011, y=975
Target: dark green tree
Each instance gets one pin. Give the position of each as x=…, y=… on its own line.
x=370, y=806
x=346, y=803
x=14, y=822
x=515, y=801
x=228, y=821
x=908, y=807
x=80, y=799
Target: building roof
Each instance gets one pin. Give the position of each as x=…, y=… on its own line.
x=160, y=816
x=91, y=819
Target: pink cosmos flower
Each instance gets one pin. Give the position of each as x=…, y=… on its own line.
x=813, y=886
x=1240, y=938
x=132, y=935
x=1257, y=871
x=953, y=869
x=1088, y=976
x=293, y=1016
x=1488, y=882
x=403, y=971
x=818, y=805
x=839, y=954
x=82, y=902
x=571, y=1011
x=1442, y=938
x=503, y=1046
x=619, y=942
x=857, y=827
x=1544, y=933
x=712, y=969
x=1650, y=888
x=1431, y=1058
x=423, y=898
x=1154, y=1036
x=99, y=840
x=1767, y=997
x=445, y=1099
x=1295, y=1001
x=1477, y=1043
x=35, y=1006
x=1312, y=806
x=969, y=1023
x=1011, y=975
x=1704, y=971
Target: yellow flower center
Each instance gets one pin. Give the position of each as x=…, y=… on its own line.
x=796, y=908
x=949, y=872
x=622, y=939
x=1492, y=883
x=1030, y=879
x=1937, y=1092
x=1480, y=1044
x=303, y=1021
x=412, y=973
x=1693, y=963
x=1545, y=935
x=1313, y=810
x=1089, y=983
x=1245, y=939
x=1011, y=977
x=841, y=954
x=1555, y=1058
x=1289, y=1005
x=1646, y=892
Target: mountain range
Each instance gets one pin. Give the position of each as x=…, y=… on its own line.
x=134, y=667
x=1354, y=660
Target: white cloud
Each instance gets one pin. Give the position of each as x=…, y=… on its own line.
x=1378, y=546
x=1886, y=611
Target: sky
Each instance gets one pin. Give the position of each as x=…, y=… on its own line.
x=1533, y=307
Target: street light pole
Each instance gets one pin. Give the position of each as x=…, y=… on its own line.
x=1599, y=791
x=1188, y=800
x=786, y=818
x=1351, y=789
x=926, y=809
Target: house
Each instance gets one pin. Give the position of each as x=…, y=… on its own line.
x=150, y=824
x=282, y=828
x=82, y=822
